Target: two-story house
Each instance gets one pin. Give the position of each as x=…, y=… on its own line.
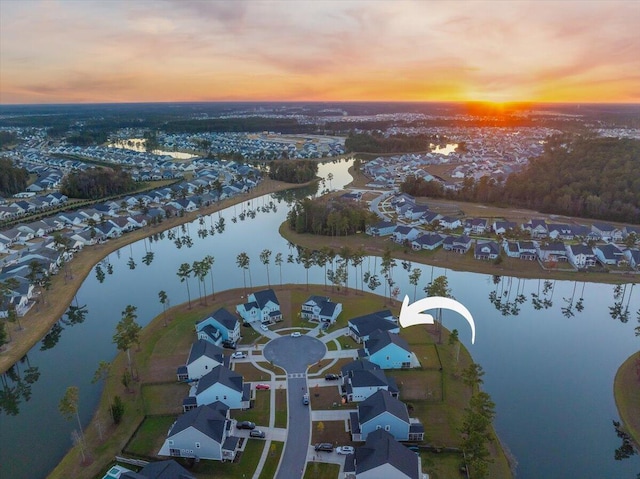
x=262, y=306
x=320, y=309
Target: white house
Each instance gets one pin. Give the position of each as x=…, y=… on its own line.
x=221, y=384
x=321, y=309
x=581, y=256
x=261, y=306
x=203, y=358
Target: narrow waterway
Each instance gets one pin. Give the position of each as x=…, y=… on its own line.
x=550, y=350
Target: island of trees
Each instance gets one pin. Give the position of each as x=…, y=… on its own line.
x=329, y=216
x=97, y=183
x=298, y=171
x=586, y=177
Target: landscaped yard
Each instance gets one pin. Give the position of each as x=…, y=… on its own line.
x=150, y=436
x=330, y=431
x=321, y=470
x=259, y=413
x=164, y=398
x=325, y=397
x=250, y=373
x=244, y=465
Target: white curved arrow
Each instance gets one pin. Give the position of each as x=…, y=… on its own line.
x=411, y=315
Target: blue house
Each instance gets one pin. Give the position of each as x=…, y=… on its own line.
x=382, y=228
x=387, y=350
x=383, y=456
x=383, y=411
x=261, y=306
x=220, y=326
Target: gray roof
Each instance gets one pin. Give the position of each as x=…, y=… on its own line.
x=205, y=348
x=379, y=402
x=380, y=339
x=364, y=325
x=225, y=318
x=263, y=297
x=209, y=420
x=381, y=448
x=359, y=364
x=220, y=374
x=168, y=469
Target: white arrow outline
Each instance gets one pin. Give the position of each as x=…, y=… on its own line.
x=411, y=314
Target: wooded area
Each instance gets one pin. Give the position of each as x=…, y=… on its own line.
x=293, y=171
x=97, y=183
x=12, y=179
x=331, y=217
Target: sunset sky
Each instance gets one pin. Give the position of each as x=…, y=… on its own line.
x=73, y=51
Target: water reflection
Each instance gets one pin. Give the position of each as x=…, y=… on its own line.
x=619, y=293
x=16, y=386
x=626, y=449
x=502, y=301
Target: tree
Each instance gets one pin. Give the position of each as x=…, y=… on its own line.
x=127, y=333
x=102, y=374
x=117, y=410
x=3, y=336
x=307, y=261
x=439, y=287
x=68, y=406
x=265, y=257
x=162, y=296
x=210, y=260
x=414, y=278
x=184, y=273
x=278, y=263
x=472, y=376
x=242, y=260
x=199, y=269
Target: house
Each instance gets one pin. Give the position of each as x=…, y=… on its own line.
x=606, y=232
x=169, y=469
x=536, y=228
x=361, y=327
x=476, y=226
x=359, y=384
x=610, y=254
x=387, y=350
x=458, y=244
x=487, y=250
x=416, y=212
x=383, y=411
x=581, y=256
x=220, y=326
x=320, y=308
x=633, y=256
x=501, y=227
x=405, y=233
x=561, y=231
x=450, y=223
x=383, y=457
x=203, y=358
x=261, y=306
x=221, y=384
x=203, y=432
x=429, y=241
x=521, y=249
x=553, y=252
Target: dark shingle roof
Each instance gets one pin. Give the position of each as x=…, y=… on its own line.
x=209, y=420
x=169, y=469
x=381, y=448
x=223, y=375
x=225, y=318
x=264, y=296
x=379, y=402
x=360, y=364
x=364, y=325
x=380, y=339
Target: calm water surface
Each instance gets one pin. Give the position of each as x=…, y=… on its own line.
x=550, y=370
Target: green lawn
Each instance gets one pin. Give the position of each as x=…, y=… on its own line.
x=281, y=408
x=164, y=398
x=321, y=470
x=259, y=413
x=244, y=465
x=273, y=459
x=150, y=435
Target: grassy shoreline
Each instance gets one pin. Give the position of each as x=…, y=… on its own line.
x=163, y=348
x=38, y=321
x=626, y=390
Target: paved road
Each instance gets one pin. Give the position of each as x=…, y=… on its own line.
x=295, y=355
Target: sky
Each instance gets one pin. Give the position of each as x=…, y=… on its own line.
x=84, y=51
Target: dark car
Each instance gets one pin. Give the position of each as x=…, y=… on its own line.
x=324, y=446
x=228, y=345
x=325, y=325
x=257, y=433
x=245, y=425
x=332, y=377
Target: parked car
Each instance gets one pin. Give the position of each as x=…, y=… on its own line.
x=324, y=446
x=238, y=355
x=228, y=344
x=296, y=334
x=245, y=425
x=305, y=399
x=325, y=325
x=264, y=327
x=257, y=433
x=345, y=450
x=263, y=386
x=331, y=377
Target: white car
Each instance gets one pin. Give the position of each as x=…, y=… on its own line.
x=296, y=334
x=238, y=355
x=264, y=327
x=345, y=450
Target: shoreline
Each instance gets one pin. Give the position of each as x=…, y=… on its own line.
x=626, y=392
x=44, y=314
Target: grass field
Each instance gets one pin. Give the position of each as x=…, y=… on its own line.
x=627, y=393
x=321, y=470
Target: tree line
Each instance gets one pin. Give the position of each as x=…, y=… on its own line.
x=97, y=183
x=330, y=217
x=296, y=171
x=586, y=177
x=12, y=178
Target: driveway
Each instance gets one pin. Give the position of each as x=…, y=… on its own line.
x=295, y=355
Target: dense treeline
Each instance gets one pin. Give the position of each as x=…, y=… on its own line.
x=331, y=217
x=249, y=124
x=293, y=171
x=97, y=183
x=88, y=137
x=377, y=143
x=12, y=179
x=7, y=139
x=585, y=177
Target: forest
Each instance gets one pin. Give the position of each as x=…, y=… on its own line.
x=97, y=183
x=7, y=139
x=293, y=171
x=584, y=176
x=12, y=179
x=329, y=216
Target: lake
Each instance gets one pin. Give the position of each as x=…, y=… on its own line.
x=549, y=367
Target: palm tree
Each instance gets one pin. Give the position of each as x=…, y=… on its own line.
x=307, y=261
x=278, y=263
x=414, y=277
x=439, y=287
x=265, y=258
x=210, y=260
x=162, y=295
x=345, y=254
x=184, y=273
x=357, y=258
x=200, y=271
x=127, y=332
x=242, y=260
